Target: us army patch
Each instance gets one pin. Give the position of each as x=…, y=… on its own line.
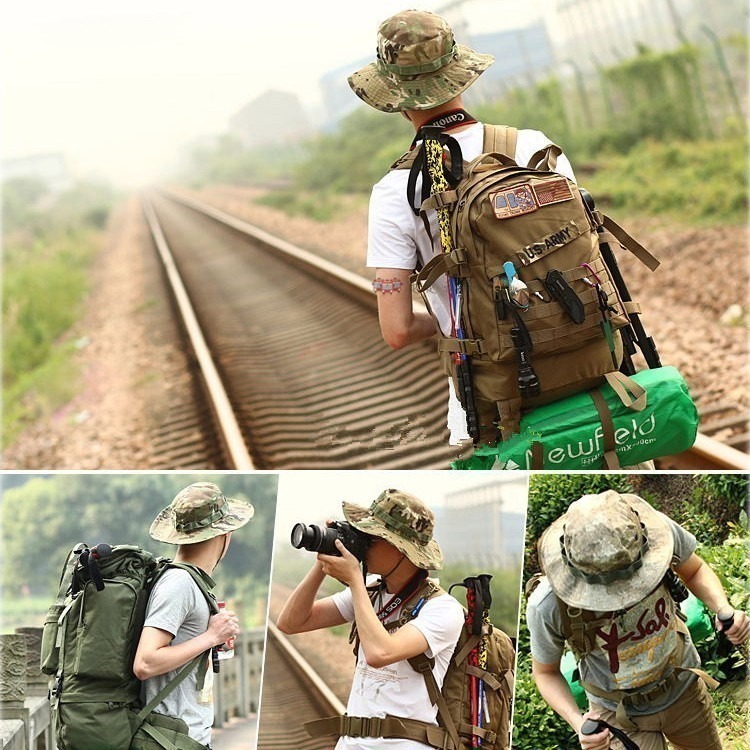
x=513, y=202
x=566, y=233
x=552, y=191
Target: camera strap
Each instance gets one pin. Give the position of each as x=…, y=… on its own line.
x=407, y=591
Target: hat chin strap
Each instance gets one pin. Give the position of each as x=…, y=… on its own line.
x=384, y=579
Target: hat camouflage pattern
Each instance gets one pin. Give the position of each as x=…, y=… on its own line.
x=199, y=512
x=419, y=65
x=606, y=552
x=402, y=520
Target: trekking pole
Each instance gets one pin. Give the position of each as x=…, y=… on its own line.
x=474, y=625
x=486, y=597
x=433, y=149
x=725, y=649
x=634, y=333
x=593, y=726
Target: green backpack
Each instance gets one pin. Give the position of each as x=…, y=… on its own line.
x=89, y=641
x=541, y=313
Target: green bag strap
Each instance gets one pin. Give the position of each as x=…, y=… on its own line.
x=169, y=687
x=158, y=737
x=202, y=580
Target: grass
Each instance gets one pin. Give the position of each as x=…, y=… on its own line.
x=702, y=183
x=44, y=285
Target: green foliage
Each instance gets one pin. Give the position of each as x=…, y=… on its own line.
x=320, y=206
x=49, y=241
x=696, y=181
x=354, y=157
x=670, y=78
x=535, y=724
x=47, y=515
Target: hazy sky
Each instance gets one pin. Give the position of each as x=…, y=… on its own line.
x=314, y=496
x=119, y=87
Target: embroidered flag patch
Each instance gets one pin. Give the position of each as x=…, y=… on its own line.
x=513, y=202
x=552, y=191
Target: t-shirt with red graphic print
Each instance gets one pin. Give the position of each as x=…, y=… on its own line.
x=634, y=649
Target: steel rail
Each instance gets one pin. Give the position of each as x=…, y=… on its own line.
x=226, y=420
x=707, y=452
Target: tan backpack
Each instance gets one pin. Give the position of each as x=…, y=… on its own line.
x=456, y=726
x=540, y=314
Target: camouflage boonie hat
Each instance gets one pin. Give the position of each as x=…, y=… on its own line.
x=606, y=552
x=418, y=66
x=404, y=521
x=200, y=511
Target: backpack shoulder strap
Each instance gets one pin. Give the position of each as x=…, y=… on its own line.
x=500, y=139
x=200, y=579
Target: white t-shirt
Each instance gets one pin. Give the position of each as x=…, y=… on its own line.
x=398, y=689
x=396, y=237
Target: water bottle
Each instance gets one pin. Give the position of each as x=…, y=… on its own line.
x=226, y=650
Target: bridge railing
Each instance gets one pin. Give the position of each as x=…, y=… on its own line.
x=24, y=705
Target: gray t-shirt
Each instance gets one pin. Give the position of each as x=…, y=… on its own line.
x=177, y=606
x=626, y=647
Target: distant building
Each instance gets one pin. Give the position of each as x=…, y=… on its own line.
x=483, y=525
x=275, y=117
x=50, y=169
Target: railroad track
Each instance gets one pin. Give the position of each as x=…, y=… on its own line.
x=293, y=693
x=294, y=365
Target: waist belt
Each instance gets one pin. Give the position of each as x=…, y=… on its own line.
x=393, y=727
x=626, y=698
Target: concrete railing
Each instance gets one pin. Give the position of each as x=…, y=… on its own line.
x=24, y=706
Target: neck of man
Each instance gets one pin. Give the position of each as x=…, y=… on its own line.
x=419, y=117
x=204, y=555
x=398, y=577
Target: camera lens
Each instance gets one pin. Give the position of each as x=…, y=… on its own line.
x=306, y=537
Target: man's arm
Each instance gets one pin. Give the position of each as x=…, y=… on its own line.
x=155, y=655
x=556, y=692
x=705, y=584
x=399, y=324
x=303, y=612
x=380, y=647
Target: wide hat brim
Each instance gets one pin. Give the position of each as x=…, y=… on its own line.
x=163, y=529
x=426, y=556
x=388, y=92
x=615, y=595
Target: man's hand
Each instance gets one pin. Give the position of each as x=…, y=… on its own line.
x=345, y=568
x=740, y=629
x=223, y=626
x=598, y=741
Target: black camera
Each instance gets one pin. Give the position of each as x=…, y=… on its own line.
x=317, y=539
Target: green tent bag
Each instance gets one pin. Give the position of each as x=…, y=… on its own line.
x=568, y=434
